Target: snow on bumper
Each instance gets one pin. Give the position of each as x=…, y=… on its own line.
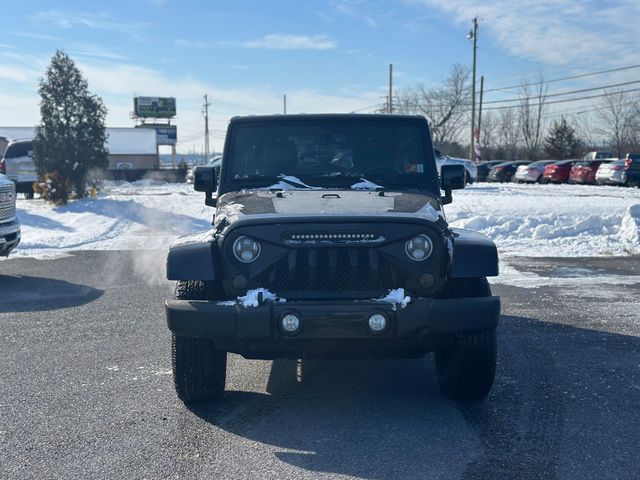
x=331, y=320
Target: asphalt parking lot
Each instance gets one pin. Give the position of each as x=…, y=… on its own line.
x=86, y=388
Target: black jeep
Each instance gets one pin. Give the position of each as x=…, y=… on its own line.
x=329, y=240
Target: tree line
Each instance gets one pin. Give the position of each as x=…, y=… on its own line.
x=525, y=128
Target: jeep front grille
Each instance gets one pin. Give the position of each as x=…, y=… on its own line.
x=7, y=203
x=351, y=272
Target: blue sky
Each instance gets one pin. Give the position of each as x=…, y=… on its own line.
x=329, y=55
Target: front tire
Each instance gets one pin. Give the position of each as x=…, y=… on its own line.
x=199, y=369
x=466, y=364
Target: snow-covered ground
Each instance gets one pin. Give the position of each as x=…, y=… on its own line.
x=551, y=220
x=524, y=220
x=143, y=215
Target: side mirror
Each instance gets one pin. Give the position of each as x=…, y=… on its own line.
x=205, y=180
x=452, y=177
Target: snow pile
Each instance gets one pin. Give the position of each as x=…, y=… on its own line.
x=428, y=212
x=396, y=297
x=630, y=228
x=251, y=299
x=550, y=220
x=288, y=182
x=124, y=216
x=365, y=185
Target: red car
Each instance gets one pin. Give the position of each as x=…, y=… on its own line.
x=585, y=171
x=557, y=172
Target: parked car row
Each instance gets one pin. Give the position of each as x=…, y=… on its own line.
x=591, y=169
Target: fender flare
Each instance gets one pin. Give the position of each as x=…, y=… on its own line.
x=474, y=255
x=194, y=257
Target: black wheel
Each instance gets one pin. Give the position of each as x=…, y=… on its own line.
x=466, y=363
x=29, y=194
x=199, y=369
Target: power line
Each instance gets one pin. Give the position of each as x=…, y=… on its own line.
x=570, y=92
x=562, y=79
x=570, y=99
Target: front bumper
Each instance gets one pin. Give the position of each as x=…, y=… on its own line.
x=332, y=328
x=9, y=237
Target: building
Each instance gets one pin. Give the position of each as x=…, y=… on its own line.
x=132, y=149
x=129, y=148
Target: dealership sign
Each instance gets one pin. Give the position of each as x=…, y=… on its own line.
x=165, y=134
x=154, y=107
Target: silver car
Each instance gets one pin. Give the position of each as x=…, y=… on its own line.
x=612, y=173
x=470, y=167
x=532, y=172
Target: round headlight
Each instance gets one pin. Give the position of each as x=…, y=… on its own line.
x=246, y=249
x=419, y=248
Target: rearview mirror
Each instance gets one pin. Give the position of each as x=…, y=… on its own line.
x=452, y=177
x=205, y=179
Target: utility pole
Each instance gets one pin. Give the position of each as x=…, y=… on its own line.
x=473, y=35
x=480, y=107
x=390, y=96
x=206, y=128
x=285, y=103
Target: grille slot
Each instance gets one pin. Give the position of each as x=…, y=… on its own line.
x=360, y=271
x=7, y=206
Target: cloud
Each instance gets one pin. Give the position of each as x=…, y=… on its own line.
x=37, y=36
x=289, y=42
x=185, y=43
x=354, y=9
x=86, y=50
x=239, y=67
x=557, y=32
x=118, y=82
x=97, y=21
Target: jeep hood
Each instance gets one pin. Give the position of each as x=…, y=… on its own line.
x=248, y=204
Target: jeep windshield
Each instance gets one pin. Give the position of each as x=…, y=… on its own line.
x=330, y=154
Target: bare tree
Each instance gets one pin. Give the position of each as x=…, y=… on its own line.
x=489, y=130
x=587, y=130
x=444, y=105
x=530, y=116
x=618, y=113
x=508, y=136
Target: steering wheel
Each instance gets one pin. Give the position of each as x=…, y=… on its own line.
x=381, y=169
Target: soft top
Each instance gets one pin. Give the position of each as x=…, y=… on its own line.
x=323, y=116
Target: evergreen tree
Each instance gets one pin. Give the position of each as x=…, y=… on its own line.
x=561, y=141
x=70, y=139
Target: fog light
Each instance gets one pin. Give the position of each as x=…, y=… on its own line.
x=290, y=323
x=377, y=323
x=427, y=280
x=239, y=282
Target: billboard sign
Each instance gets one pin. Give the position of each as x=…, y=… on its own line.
x=154, y=107
x=165, y=134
